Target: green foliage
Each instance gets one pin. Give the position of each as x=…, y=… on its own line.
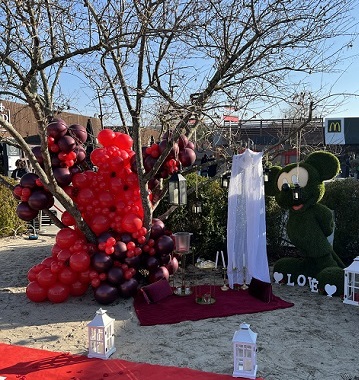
x=210, y=227
x=275, y=223
x=342, y=196
x=10, y=224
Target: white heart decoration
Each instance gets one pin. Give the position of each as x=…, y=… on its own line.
x=278, y=277
x=330, y=289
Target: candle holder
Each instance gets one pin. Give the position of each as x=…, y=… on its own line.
x=224, y=287
x=244, y=286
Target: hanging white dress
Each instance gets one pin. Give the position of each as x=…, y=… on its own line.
x=246, y=226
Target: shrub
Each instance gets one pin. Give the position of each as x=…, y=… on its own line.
x=10, y=224
x=342, y=196
x=210, y=227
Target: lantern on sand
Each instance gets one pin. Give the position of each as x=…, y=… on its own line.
x=101, y=336
x=245, y=352
x=351, y=283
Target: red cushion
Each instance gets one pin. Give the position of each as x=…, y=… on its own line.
x=261, y=290
x=157, y=291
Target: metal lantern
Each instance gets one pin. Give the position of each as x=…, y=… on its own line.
x=351, y=283
x=197, y=207
x=101, y=336
x=225, y=180
x=297, y=192
x=177, y=190
x=245, y=352
x=266, y=172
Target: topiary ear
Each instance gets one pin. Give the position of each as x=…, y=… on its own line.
x=270, y=187
x=326, y=164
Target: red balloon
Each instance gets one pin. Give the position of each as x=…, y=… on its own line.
x=123, y=141
x=106, y=137
x=35, y=292
x=58, y=293
x=46, y=278
x=85, y=197
x=66, y=237
x=17, y=192
x=131, y=223
x=67, y=219
x=63, y=255
x=25, y=212
x=67, y=276
x=80, y=261
x=78, y=289
x=100, y=223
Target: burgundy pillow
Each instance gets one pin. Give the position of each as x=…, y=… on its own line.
x=157, y=291
x=261, y=290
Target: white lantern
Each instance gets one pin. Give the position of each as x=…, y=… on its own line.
x=245, y=352
x=351, y=283
x=101, y=336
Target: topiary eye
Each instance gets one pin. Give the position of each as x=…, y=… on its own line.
x=285, y=187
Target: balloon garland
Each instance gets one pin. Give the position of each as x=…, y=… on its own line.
x=109, y=201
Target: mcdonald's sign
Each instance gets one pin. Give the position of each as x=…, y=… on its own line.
x=335, y=126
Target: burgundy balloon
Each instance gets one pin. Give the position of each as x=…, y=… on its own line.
x=101, y=262
x=161, y=272
x=55, y=161
x=56, y=128
x=190, y=145
x=187, y=156
x=149, y=163
x=133, y=262
x=152, y=263
x=128, y=288
x=36, y=150
x=165, y=259
x=66, y=144
x=157, y=229
x=80, y=153
x=63, y=176
x=120, y=251
x=172, y=266
x=29, y=180
x=25, y=212
x=41, y=199
x=78, y=132
x=106, y=293
x=115, y=276
x=126, y=237
x=182, y=141
x=164, y=245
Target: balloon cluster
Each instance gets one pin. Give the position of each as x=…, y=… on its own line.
x=181, y=154
x=109, y=201
x=33, y=197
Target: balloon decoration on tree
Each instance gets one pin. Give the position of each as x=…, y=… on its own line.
x=109, y=201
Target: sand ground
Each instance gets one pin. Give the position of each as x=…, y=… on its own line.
x=317, y=339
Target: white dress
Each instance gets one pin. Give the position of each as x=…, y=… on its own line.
x=246, y=225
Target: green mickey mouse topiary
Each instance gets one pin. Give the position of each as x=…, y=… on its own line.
x=309, y=222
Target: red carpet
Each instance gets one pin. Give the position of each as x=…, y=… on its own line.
x=21, y=363
x=174, y=309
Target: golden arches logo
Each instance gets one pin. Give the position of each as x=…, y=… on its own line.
x=335, y=126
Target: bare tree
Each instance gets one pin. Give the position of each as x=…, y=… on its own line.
x=189, y=56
